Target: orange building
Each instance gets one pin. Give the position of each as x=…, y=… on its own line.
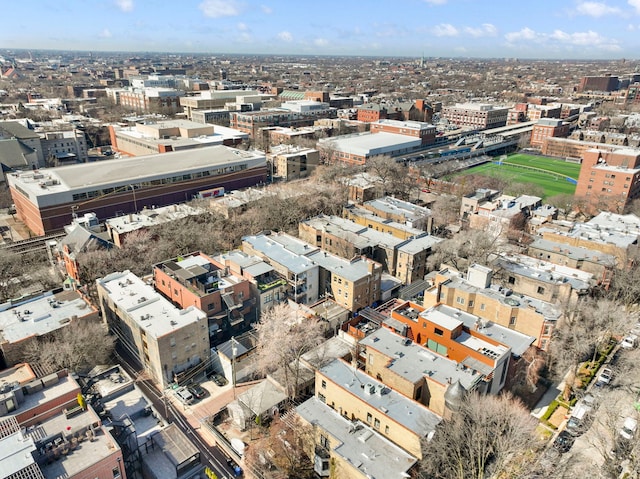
x=441, y=329
x=609, y=180
x=548, y=127
x=198, y=280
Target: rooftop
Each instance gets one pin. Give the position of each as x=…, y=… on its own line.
x=278, y=253
x=577, y=253
x=505, y=296
x=124, y=171
x=153, y=313
x=351, y=270
x=413, y=362
x=544, y=271
x=365, y=449
x=373, y=143
x=151, y=217
x=395, y=206
x=41, y=314
x=393, y=224
x=410, y=414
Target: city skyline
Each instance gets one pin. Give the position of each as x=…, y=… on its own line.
x=434, y=28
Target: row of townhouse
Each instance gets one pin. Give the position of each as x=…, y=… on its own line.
x=312, y=273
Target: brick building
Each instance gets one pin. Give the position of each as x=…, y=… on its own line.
x=609, y=180
x=425, y=131
x=598, y=83
x=546, y=128
x=480, y=116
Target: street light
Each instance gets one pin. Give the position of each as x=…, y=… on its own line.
x=135, y=204
x=234, y=351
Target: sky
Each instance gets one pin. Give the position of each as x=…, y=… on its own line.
x=559, y=29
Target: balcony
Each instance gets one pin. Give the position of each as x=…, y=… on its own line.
x=271, y=284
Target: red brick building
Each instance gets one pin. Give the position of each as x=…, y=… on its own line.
x=547, y=128
x=425, y=131
x=609, y=180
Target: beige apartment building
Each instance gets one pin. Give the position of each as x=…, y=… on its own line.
x=358, y=396
x=475, y=294
x=166, y=340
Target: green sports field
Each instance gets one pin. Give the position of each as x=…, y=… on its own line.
x=549, y=173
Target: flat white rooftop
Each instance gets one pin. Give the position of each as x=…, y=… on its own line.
x=151, y=311
x=124, y=171
x=40, y=315
x=374, y=143
x=371, y=454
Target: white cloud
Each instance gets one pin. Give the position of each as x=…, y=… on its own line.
x=285, y=36
x=596, y=9
x=321, y=42
x=124, y=5
x=589, y=39
x=435, y=2
x=266, y=9
x=635, y=4
x=525, y=34
x=484, y=30
x=105, y=33
x=219, y=8
x=445, y=30
x=243, y=27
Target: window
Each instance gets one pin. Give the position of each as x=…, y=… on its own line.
x=369, y=417
x=471, y=303
x=438, y=331
x=386, y=429
x=172, y=341
x=324, y=384
x=546, y=330
x=371, y=359
x=116, y=472
x=540, y=290
x=512, y=321
x=322, y=398
x=324, y=441
x=460, y=300
x=482, y=306
x=376, y=423
x=210, y=306
x=512, y=280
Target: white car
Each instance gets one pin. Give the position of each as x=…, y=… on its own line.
x=629, y=428
x=604, y=377
x=629, y=342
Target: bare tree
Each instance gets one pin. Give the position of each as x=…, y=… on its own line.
x=480, y=440
x=564, y=202
x=445, y=211
x=283, y=337
x=78, y=346
x=464, y=249
x=281, y=452
x=581, y=335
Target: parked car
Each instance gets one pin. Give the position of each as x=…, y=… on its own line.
x=578, y=421
x=605, y=376
x=563, y=442
x=184, y=395
x=629, y=342
x=629, y=427
x=219, y=379
x=197, y=391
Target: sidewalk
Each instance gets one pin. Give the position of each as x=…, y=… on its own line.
x=545, y=400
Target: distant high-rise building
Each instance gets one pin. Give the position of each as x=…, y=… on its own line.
x=598, y=83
